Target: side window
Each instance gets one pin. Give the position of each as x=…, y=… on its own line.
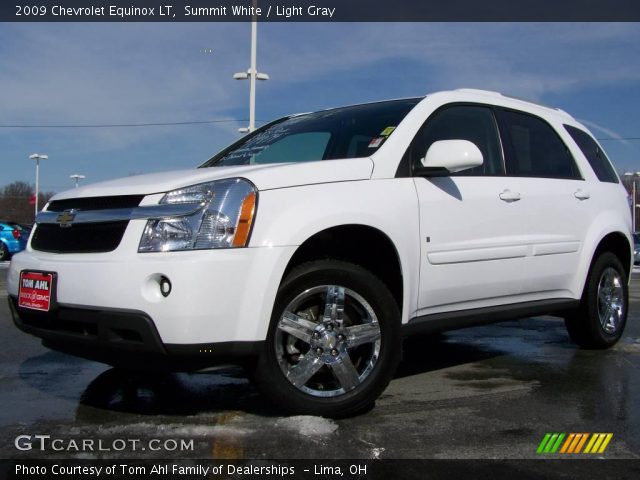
x=594, y=154
x=534, y=149
x=463, y=122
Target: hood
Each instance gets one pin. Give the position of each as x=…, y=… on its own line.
x=264, y=177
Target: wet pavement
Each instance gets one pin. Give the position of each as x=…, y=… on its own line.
x=490, y=392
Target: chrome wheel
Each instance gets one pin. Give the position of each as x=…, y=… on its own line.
x=327, y=341
x=610, y=300
x=599, y=320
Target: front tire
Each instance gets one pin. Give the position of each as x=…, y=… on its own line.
x=333, y=343
x=600, y=320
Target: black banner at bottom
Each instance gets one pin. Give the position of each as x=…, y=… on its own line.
x=544, y=468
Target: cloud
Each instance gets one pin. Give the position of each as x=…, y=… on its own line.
x=523, y=59
x=127, y=73
x=76, y=73
x=608, y=132
x=115, y=73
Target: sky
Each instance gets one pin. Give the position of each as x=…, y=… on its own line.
x=132, y=73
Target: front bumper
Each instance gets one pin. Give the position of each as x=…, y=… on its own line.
x=217, y=296
x=123, y=338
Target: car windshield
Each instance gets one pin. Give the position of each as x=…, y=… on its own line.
x=636, y=238
x=348, y=132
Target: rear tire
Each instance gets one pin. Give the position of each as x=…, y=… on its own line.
x=333, y=343
x=601, y=317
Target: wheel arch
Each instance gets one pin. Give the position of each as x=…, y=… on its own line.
x=617, y=243
x=361, y=244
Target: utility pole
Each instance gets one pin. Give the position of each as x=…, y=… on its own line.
x=77, y=178
x=37, y=157
x=634, y=176
x=252, y=74
x=633, y=207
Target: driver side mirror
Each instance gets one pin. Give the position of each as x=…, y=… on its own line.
x=449, y=156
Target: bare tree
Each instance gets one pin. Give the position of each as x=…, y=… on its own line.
x=15, y=202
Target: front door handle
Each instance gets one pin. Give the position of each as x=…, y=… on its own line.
x=509, y=196
x=582, y=195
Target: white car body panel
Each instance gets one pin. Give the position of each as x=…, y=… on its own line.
x=264, y=177
x=486, y=245
x=207, y=304
x=386, y=205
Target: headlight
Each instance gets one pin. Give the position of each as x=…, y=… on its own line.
x=223, y=221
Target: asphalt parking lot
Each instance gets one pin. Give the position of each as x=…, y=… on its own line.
x=489, y=392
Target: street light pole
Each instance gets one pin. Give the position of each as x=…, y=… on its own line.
x=633, y=203
x=633, y=176
x=252, y=74
x=37, y=157
x=77, y=178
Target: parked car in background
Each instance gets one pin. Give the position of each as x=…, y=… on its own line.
x=26, y=230
x=13, y=239
x=636, y=248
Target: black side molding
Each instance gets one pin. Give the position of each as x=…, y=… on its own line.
x=441, y=322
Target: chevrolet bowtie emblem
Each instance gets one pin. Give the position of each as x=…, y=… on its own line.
x=65, y=219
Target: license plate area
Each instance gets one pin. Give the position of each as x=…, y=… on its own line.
x=37, y=290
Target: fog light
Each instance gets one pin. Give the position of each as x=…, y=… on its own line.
x=165, y=286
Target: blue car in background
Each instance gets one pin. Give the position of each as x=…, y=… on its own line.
x=13, y=239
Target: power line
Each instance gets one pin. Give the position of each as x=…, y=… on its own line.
x=199, y=122
x=621, y=138
x=110, y=125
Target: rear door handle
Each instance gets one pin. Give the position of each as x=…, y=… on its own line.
x=509, y=196
x=582, y=195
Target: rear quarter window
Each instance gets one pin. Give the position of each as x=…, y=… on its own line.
x=594, y=155
x=535, y=149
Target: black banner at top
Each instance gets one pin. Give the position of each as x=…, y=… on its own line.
x=320, y=10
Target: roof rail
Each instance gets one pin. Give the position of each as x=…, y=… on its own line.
x=513, y=97
x=480, y=91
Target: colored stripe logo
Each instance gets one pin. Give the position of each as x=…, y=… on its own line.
x=574, y=443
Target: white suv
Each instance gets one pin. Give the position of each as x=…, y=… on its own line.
x=313, y=245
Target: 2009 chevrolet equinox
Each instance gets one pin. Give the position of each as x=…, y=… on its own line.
x=316, y=243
